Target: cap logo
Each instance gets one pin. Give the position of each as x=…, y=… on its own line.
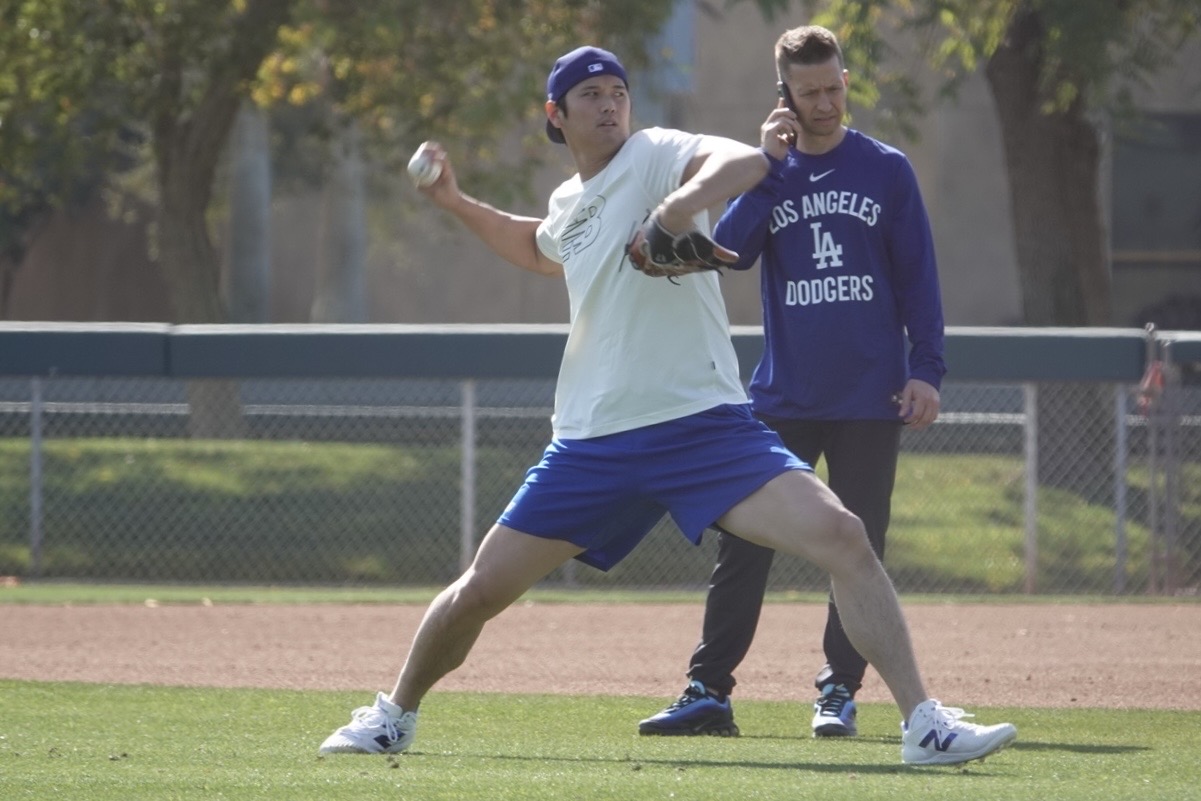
x=596, y=67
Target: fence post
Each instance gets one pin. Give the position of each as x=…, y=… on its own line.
x=35, y=477
x=1170, y=413
x=467, y=474
x=1119, y=490
x=1149, y=405
x=1030, y=392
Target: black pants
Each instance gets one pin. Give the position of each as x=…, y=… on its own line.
x=861, y=460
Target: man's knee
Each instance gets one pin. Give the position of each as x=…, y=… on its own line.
x=850, y=530
x=474, y=596
x=852, y=550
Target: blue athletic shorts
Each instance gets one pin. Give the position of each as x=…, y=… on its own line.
x=605, y=494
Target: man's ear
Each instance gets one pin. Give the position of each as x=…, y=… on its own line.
x=552, y=113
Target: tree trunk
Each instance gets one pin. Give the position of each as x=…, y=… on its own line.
x=341, y=291
x=249, y=274
x=187, y=255
x=188, y=140
x=8, y=276
x=1053, y=159
x=192, y=267
x=190, y=261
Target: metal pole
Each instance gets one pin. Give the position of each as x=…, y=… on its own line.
x=1171, y=442
x=1151, y=412
x=467, y=475
x=35, y=478
x=1030, y=392
x=1119, y=490
x=1153, y=499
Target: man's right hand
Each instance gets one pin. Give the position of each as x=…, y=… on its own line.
x=779, y=131
x=445, y=190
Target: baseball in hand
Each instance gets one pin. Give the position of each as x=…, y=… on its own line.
x=423, y=167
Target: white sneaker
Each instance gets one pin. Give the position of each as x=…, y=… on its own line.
x=936, y=735
x=381, y=729
x=834, y=713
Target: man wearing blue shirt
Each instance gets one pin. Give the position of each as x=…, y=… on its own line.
x=854, y=350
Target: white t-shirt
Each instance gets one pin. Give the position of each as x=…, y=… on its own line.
x=641, y=350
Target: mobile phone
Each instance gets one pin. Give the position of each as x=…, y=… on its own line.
x=783, y=92
x=786, y=95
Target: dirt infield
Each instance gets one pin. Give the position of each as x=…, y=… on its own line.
x=1107, y=655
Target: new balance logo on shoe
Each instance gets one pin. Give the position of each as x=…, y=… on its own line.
x=939, y=745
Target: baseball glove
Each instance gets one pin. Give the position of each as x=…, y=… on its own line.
x=657, y=252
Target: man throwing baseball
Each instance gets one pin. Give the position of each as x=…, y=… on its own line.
x=650, y=416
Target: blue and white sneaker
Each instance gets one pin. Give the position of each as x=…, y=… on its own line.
x=937, y=735
x=383, y=728
x=696, y=711
x=834, y=713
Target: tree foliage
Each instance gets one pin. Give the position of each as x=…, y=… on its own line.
x=80, y=81
x=60, y=125
x=57, y=115
x=463, y=71
x=1094, y=53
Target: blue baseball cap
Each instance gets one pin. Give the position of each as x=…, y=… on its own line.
x=570, y=69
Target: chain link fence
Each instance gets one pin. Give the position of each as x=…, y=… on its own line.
x=1018, y=488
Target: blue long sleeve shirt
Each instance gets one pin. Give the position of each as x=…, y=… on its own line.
x=851, y=302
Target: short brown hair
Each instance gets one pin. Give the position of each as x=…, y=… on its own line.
x=808, y=44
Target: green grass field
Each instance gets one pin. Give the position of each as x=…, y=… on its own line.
x=127, y=743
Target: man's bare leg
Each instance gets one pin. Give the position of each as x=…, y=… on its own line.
x=507, y=564
x=796, y=513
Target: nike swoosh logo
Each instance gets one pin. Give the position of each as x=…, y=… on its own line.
x=813, y=177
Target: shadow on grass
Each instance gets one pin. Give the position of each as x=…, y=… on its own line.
x=970, y=768
x=978, y=768
x=821, y=742
x=1078, y=748
x=1020, y=744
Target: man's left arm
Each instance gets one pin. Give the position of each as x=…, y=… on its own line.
x=915, y=276
x=720, y=169
x=669, y=243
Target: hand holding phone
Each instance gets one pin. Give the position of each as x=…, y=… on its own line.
x=786, y=97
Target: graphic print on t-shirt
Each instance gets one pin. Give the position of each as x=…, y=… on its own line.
x=583, y=229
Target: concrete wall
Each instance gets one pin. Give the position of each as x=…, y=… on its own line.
x=1108, y=355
